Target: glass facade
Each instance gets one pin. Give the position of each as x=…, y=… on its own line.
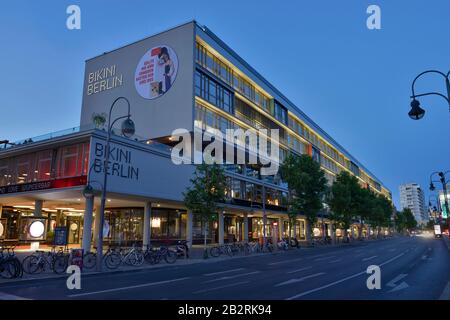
x=62, y=162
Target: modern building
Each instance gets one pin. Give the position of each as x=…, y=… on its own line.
x=182, y=78
x=413, y=197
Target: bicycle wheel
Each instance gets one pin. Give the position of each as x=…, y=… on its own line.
x=18, y=271
x=170, y=256
x=60, y=264
x=89, y=260
x=229, y=251
x=138, y=259
x=113, y=260
x=31, y=265
x=6, y=269
x=214, y=252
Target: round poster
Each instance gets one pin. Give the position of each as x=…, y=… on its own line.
x=156, y=72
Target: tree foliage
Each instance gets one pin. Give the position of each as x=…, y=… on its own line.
x=306, y=184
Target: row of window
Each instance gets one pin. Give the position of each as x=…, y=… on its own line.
x=213, y=92
x=244, y=190
x=63, y=162
x=223, y=70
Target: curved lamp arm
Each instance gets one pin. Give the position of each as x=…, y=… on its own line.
x=110, y=125
x=447, y=82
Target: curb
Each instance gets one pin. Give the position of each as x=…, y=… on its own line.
x=446, y=293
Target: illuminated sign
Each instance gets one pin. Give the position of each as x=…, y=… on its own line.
x=103, y=79
x=44, y=185
x=156, y=72
x=444, y=209
x=37, y=229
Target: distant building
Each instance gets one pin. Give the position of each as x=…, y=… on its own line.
x=412, y=197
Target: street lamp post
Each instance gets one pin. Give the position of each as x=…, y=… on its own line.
x=128, y=130
x=416, y=112
x=444, y=188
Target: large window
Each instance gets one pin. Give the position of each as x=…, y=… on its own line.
x=62, y=162
x=213, y=92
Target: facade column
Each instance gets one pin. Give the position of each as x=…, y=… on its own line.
x=96, y=223
x=246, y=227
x=280, y=228
x=189, y=223
x=59, y=214
x=38, y=208
x=87, y=224
x=221, y=228
x=1, y=210
x=147, y=225
x=333, y=233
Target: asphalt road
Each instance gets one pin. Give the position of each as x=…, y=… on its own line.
x=411, y=268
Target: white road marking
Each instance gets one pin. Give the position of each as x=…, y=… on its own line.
x=284, y=261
x=221, y=287
x=298, y=270
x=334, y=261
x=341, y=280
x=397, y=278
x=324, y=258
x=222, y=272
x=401, y=286
x=369, y=258
x=392, y=250
x=299, y=279
x=6, y=296
x=127, y=288
x=231, y=277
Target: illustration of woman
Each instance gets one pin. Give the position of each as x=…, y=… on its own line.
x=168, y=67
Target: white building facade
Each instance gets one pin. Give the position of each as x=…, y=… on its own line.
x=413, y=197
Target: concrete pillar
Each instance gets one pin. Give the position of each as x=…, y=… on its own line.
x=177, y=225
x=38, y=208
x=59, y=218
x=189, y=222
x=221, y=228
x=96, y=223
x=87, y=224
x=246, y=227
x=1, y=210
x=147, y=225
x=280, y=228
x=333, y=233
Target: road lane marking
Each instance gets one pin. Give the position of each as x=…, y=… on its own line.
x=127, y=288
x=324, y=258
x=295, y=280
x=369, y=258
x=334, y=261
x=284, y=261
x=392, y=250
x=221, y=287
x=341, y=280
x=298, y=270
x=6, y=296
x=395, y=286
x=232, y=277
x=222, y=272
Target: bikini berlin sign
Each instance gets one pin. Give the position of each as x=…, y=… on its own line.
x=156, y=72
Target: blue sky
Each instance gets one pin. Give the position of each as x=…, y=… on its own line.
x=354, y=82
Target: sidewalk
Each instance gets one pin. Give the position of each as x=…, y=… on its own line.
x=446, y=293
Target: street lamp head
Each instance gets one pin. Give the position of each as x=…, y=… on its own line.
x=416, y=112
x=88, y=191
x=432, y=186
x=128, y=127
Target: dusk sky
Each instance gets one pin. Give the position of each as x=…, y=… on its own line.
x=354, y=82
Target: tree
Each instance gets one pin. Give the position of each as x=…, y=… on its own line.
x=206, y=191
x=306, y=185
x=380, y=212
x=400, y=222
x=411, y=222
x=345, y=200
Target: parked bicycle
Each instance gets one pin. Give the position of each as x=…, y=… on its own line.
x=39, y=261
x=10, y=266
x=132, y=257
x=154, y=255
x=216, y=251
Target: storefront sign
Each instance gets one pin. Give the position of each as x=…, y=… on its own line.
x=120, y=162
x=156, y=72
x=104, y=79
x=60, y=238
x=44, y=185
x=32, y=229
